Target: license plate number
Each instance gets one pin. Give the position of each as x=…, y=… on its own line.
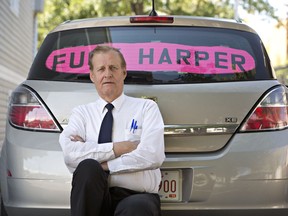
x=170, y=187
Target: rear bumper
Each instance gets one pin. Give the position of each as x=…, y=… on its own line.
x=37, y=197
x=51, y=198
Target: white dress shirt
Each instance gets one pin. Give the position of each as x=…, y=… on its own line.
x=133, y=119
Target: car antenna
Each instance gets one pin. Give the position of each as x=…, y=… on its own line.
x=153, y=12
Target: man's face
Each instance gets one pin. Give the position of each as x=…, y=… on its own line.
x=108, y=75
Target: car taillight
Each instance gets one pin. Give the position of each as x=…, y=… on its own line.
x=271, y=113
x=27, y=112
x=151, y=19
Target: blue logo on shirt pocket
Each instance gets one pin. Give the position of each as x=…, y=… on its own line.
x=133, y=126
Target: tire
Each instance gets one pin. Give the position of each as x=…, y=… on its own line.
x=2, y=209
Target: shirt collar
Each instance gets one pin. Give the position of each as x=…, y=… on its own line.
x=116, y=103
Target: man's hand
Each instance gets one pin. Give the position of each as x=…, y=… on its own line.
x=124, y=147
x=120, y=148
x=105, y=166
x=76, y=138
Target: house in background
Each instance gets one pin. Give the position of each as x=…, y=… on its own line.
x=18, y=42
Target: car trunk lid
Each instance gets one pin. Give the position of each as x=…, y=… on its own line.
x=198, y=117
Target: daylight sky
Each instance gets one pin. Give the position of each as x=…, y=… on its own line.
x=273, y=38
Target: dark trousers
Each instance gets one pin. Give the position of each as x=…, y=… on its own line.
x=91, y=195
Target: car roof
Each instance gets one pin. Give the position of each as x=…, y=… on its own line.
x=178, y=21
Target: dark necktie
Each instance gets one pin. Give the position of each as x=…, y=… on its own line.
x=105, y=134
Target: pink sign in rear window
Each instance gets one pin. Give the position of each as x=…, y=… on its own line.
x=159, y=56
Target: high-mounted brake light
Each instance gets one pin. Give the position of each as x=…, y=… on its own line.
x=151, y=19
x=27, y=112
x=271, y=113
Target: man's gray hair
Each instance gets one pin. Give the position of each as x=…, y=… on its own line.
x=105, y=49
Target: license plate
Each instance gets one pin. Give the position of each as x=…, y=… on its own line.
x=170, y=188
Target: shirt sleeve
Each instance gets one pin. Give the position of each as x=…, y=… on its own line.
x=150, y=151
x=75, y=152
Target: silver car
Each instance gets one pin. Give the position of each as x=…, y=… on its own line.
x=225, y=115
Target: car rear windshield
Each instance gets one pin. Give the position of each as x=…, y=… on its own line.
x=156, y=54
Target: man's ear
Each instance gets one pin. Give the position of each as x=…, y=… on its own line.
x=91, y=76
x=125, y=73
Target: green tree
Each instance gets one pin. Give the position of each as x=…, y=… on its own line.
x=58, y=11
x=259, y=6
